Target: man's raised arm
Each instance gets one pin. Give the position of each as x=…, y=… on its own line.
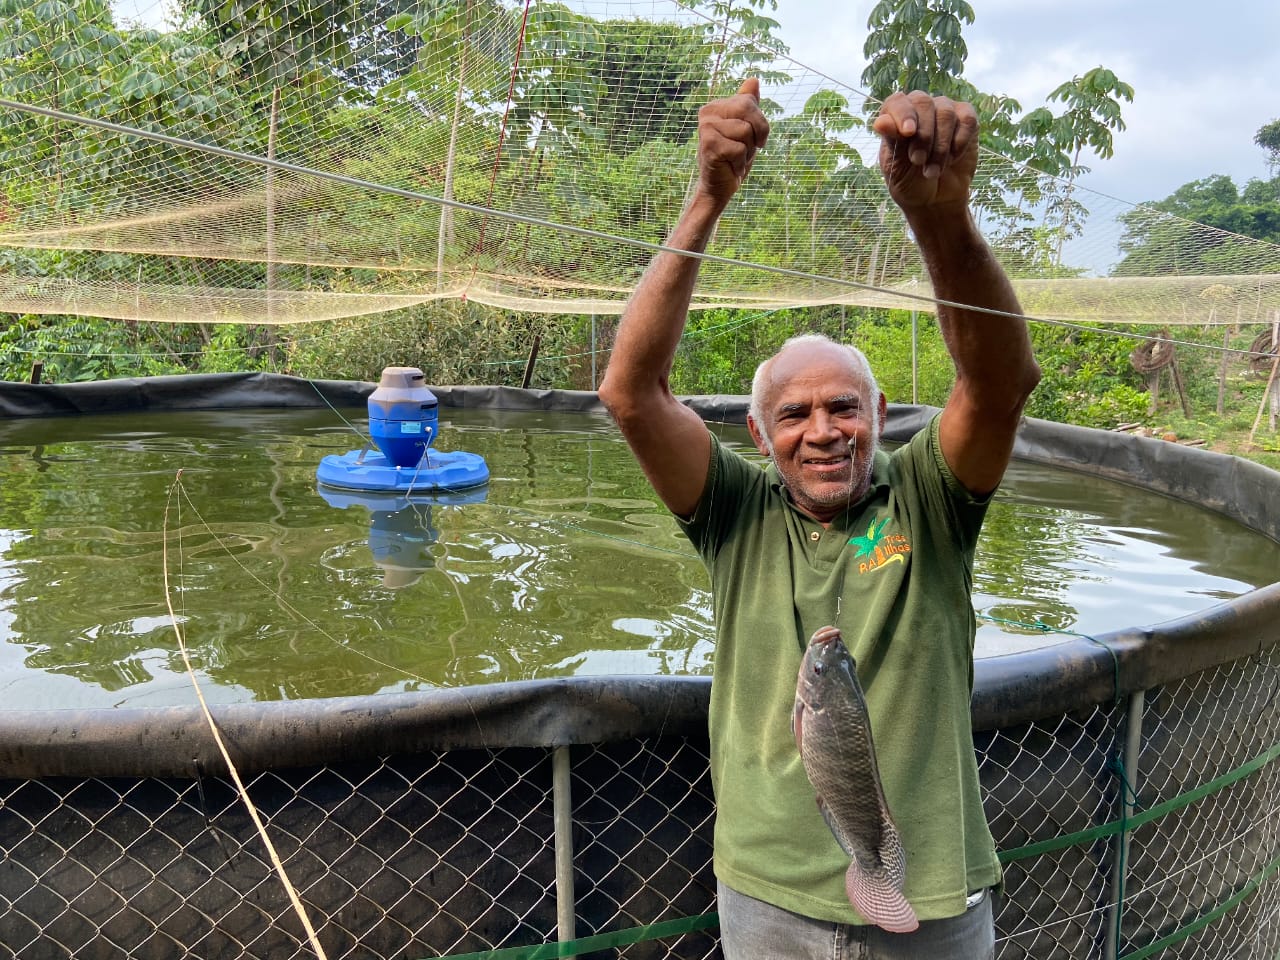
x=928, y=154
x=667, y=438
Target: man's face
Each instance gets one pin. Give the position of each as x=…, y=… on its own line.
x=822, y=427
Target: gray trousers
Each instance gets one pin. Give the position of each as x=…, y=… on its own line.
x=753, y=930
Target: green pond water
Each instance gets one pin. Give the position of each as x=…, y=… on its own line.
x=564, y=564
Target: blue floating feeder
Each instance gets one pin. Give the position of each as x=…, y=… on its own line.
x=403, y=422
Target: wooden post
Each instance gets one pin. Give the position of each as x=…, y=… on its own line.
x=1275, y=384
x=1182, y=391
x=37, y=371
x=1222, y=370
x=533, y=358
x=1269, y=394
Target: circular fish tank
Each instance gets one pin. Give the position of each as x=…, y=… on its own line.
x=478, y=723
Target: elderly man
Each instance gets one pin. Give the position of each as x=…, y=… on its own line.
x=837, y=531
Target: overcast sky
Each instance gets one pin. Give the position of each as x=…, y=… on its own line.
x=1206, y=76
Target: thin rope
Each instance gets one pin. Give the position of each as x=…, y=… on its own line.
x=289, y=607
x=1045, y=628
x=338, y=413
x=276, y=862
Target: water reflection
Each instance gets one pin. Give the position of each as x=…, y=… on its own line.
x=401, y=533
x=1105, y=556
x=564, y=564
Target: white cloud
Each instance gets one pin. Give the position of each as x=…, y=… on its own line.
x=1203, y=83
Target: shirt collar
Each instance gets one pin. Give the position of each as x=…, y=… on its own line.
x=879, y=483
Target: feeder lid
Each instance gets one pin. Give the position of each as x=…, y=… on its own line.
x=401, y=385
x=403, y=378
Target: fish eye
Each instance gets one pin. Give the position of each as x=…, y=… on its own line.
x=819, y=669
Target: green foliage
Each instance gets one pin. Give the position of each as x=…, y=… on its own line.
x=885, y=338
x=1085, y=378
x=1163, y=237
x=652, y=83
x=452, y=342
x=232, y=349
x=1268, y=138
x=1118, y=404
x=722, y=348
x=71, y=349
x=158, y=81
x=742, y=42
x=918, y=45
x=280, y=41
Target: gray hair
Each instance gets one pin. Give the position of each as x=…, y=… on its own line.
x=761, y=378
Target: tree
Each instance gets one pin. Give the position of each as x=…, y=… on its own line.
x=741, y=37
x=68, y=55
x=1093, y=112
x=1268, y=138
x=1166, y=237
x=919, y=45
x=654, y=79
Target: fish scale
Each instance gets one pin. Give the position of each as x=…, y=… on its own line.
x=833, y=734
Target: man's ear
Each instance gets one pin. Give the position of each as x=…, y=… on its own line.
x=884, y=415
x=757, y=436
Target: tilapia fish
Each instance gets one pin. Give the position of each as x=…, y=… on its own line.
x=833, y=733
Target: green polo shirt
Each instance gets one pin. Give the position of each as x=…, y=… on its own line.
x=894, y=573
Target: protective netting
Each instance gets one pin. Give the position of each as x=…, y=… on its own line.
x=1043, y=780
x=453, y=853
x=280, y=163
x=417, y=856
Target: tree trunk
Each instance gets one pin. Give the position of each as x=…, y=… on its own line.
x=273, y=128
x=445, y=235
x=1222, y=370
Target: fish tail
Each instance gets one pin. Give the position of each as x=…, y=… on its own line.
x=879, y=901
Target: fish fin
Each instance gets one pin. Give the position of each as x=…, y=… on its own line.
x=878, y=900
x=797, y=725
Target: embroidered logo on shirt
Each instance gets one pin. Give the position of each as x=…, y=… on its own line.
x=877, y=549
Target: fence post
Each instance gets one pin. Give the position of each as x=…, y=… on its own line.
x=562, y=804
x=915, y=359
x=1128, y=797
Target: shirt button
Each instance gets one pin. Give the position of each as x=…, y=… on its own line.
x=815, y=536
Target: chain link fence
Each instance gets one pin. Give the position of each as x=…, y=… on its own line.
x=432, y=853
